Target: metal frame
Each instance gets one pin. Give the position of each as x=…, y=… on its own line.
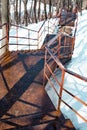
x=63, y=70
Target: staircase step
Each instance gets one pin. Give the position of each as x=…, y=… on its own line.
x=51, y=121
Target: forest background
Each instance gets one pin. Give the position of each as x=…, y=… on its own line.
x=30, y=11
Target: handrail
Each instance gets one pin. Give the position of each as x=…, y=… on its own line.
x=19, y=26
x=55, y=58
x=3, y=46
x=2, y=38
x=50, y=28
x=29, y=40
x=22, y=37
x=2, y=25
x=60, y=84
x=76, y=75
x=41, y=26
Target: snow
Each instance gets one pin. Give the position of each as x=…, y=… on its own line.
x=78, y=64
x=33, y=33
x=27, y=38
x=77, y=87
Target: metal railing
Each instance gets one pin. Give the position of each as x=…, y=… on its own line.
x=60, y=83
x=31, y=39
x=18, y=41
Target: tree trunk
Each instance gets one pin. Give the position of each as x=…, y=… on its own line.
x=68, y=4
x=25, y=12
x=5, y=28
x=16, y=12
x=45, y=9
x=31, y=12
x=35, y=2
x=74, y=4
x=59, y=4
x=0, y=11
x=39, y=9
x=20, y=11
x=50, y=4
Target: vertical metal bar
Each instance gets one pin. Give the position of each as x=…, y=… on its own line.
x=61, y=89
x=17, y=36
x=59, y=45
x=44, y=28
x=65, y=44
x=38, y=40
x=44, y=67
x=48, y=26
x=7, y=35
x=29, y=38
x=73, y=43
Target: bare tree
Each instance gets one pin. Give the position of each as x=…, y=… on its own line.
x=35, y=17
x=25, y=12
x=59, y=4
x=0, y=11
x=5, y=30
x=45, y=9
x=12, y=5
x=31, y=12
x=39, y=9
x=50, y=5
x=74, y=3
x=16, y=11
x=20, y=11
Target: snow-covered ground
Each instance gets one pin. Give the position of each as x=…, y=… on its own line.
x=35, y=34
x=32, y=36
x=28, y=33
x=78, y=64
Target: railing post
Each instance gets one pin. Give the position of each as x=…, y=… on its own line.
x=29, y=38
x=7, y=32
x=17, y=36
x=48, y=26
x=38, y=41
x=65, y=43
x=59, y=45
x=61, y=89
x=73, y=43
x=44, y=67
x=44, y=28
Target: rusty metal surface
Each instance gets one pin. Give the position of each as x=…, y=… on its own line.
x=24, y=103
x=21, y=89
